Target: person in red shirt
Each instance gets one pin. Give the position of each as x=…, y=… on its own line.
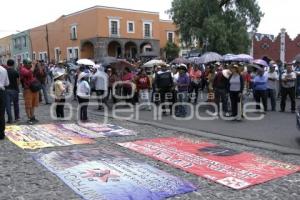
x=195, y=77
x=128, y=89
x=31, y=98
x=143, y=88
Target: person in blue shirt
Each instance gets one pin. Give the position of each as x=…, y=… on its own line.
x=260, y=87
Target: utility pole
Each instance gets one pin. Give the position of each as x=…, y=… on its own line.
x=47, y=41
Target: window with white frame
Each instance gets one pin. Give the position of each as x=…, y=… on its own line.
x=114, y=27
x=57, y=54
x=74, y=32
x=76, y=53
x=147, y=29
x=43, y=56
x=170, y=36
x=72, y=53
x=130, y=27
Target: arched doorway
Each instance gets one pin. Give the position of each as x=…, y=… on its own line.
x=87, y=50
x=146, y=47
x=114, y=49
x=130, y=50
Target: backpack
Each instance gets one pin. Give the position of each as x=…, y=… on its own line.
x=35, y=85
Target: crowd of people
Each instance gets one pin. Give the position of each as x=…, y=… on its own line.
x=227, y=85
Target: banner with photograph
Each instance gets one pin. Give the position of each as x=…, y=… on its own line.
x=223, y=165
x=42, y=136
x=104, y=174
x=94, y=130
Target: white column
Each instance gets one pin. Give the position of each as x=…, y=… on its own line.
x=282, y=45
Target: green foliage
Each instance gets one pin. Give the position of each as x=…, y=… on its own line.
x=171, y=50
x=224, y=23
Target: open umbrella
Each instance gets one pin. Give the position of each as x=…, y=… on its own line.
x=260, y=62
x=229, y=57
x=243, y=58
x=255, y=66
x=151, y=63
x=108, y=60
x=180, y=61
x=209, y=57
x=86, y=62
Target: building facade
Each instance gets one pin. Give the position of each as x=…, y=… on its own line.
x=5, y=49
x=281, y=47
x=102, y=31
x=21, y=46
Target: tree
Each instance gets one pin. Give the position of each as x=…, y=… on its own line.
x=171, y=50
x=219, y=25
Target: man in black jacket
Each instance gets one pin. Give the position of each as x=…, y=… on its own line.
x=164, y=84
x=221, y=85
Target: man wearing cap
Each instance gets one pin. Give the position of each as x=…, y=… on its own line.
x=31, y=98
x=4, y=81
x=83, y=95
x=288, y=88
x=60, y=67
x=271, y=85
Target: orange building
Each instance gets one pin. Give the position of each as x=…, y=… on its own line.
x=102, y=31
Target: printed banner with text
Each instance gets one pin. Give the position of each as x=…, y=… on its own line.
x=94, y=130
x=105, y=174
x=42, y=136
x=223, y=165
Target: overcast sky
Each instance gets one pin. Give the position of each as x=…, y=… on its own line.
x=19, y=15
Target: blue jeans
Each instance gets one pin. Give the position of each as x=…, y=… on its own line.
x=12, y=96
x=272, y=96
x=45, y=93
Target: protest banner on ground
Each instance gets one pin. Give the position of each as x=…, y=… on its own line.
x=104, y=174
x=223, y=165
x=42, y=136
x=94, y=130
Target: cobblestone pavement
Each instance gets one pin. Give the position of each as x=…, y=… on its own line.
x=21, y=178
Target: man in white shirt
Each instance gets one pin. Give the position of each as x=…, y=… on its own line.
x=100, y=81
x=271, y=85
x=4, y=81
x=288, y=88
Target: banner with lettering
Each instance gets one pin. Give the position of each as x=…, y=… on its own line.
x=104, y=174
x=94, y=130
x=223, y=165
x=42, y=136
